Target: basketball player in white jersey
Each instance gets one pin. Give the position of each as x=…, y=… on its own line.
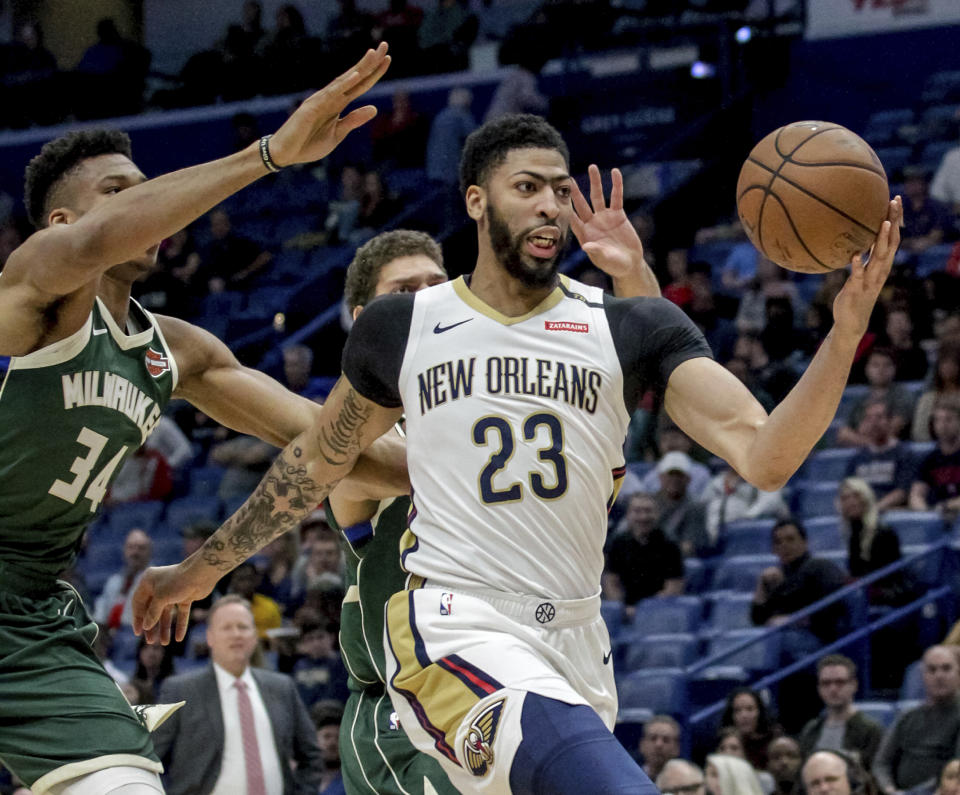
x=516, y=385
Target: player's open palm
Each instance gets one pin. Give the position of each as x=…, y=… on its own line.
x=316, y=128
x=605, y=233
x=854, y=303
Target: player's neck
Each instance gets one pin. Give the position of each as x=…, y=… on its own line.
x=501, y=291
x=115, y=294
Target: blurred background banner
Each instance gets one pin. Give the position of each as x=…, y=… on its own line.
x=832, y=18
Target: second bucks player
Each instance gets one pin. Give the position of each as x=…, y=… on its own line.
x=85, y=376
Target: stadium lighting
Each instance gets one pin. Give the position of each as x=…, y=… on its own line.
x=744, y=34
x=700, y=70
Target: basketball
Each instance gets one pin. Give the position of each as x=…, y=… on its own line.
x=811, y=195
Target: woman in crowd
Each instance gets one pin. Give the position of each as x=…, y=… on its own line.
x=729, y=775
x=946, y=381
x=746, y=712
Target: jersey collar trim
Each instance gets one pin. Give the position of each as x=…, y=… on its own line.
x=471, y=300
x=57, y=352
x=124, y=341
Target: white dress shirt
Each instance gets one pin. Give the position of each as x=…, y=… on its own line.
x=233, y=772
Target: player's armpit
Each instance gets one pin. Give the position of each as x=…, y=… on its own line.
x=244, y=399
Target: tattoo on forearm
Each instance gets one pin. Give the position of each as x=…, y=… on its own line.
x=340, y=439
x=284, y=497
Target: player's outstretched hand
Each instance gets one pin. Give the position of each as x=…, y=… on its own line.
x=164, y=595
x=854, y=303
x=605, y=233
x=315, y=128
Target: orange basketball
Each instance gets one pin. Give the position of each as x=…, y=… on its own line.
x=811, y=195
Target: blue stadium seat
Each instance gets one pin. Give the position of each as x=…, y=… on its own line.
x=894, y=158
x=912, y=686
x=612, y=613
x=188, y=510
x=851, y=394
x=883, y=712
x=667, y=614
x=746, y=537
x=640, y=468
x=660, y=651
x=204, y=481
x=933, y=260
x=222, y=304
x=829, y=464
x=124, y=645
x=98, y=562
x=695, y=575
x=764, y=655
x=836, y=556
x=823, y=534
x=731, y=611
x=916, y=527
x=933, y=153
x=167, y=551
x=129, y=515
x=629, y=726
x=941, y=85
x=662, y=690
x=882, y=126
x=928, y=569
x=740, y=572
x=265, y=301
x=907, y=704
x=232, y=504
x=815, y=498
x=937, y=120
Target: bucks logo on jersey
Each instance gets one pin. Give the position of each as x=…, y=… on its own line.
x=70, y=414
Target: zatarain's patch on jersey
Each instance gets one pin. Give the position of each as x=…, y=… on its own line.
x=478, y=744
x=157, y=363
x=566, y=325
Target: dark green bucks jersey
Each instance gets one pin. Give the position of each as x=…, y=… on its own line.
x=69, y=416
x=373, y=576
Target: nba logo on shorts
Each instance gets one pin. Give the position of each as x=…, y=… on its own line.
x=394, y=721
x=446, y=604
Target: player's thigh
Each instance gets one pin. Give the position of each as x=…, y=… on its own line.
x=377, y=756
x=63, y=715
x=112, y=781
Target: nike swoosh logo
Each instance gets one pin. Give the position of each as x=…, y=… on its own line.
x=438, y=329
x=607, y=656
x=97, y=331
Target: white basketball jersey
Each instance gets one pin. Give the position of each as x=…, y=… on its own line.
x=515, y=430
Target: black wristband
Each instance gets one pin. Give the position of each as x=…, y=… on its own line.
x=265, y=154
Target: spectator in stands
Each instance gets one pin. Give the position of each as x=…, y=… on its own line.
x=517, y=92
x=937, y=484
x=841, y=726
x=741, y=370
x=377, y=207
x=321, y=560
x=154, y=664
x=111, y=74
x=678, y=289
x=286, y=54
x=659, y=743
x=784, y=760
x=729, y=497
x=923, y=739
x=399, y=135
x=30, y=79
x=327, y=716
x=231, y=705
x=251, y=24
x=880, y=369
x=245, y=582
x=730, y=743
x=281, y=555
x=773, y=377
x=683, y=517
x=230, y=261
x=911, y=360
x=343, y=210
x=680, y=777
x=949, y=779
x=145, y=475
x=169, y=441
x=747, y=713
x=173, y=287
x=446, y=33
x=945, y=187
x=740, y=267
x=670, y=439
x=730, y=775
x=449, y=130
x=834, y=773
x=245, y=460
x=883, y=461
x=348, y=31
x=870, y=544
x=113, y=607
x=925, y=220
x=800, y=581
x=319, y=672
x=946, y=381
x=297, y=368
x=641, y=561
x=771, y=281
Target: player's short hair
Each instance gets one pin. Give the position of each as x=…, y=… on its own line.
x=795, y=523
x=488, y=146
x=59, y=158
x=364, y=271
x=229, y=599
x=665, y=720
x=326, y=712
x=838, y=659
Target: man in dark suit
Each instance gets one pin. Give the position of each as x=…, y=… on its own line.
x=242, y=728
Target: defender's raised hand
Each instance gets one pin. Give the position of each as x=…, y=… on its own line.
x=609, y=239
x=315, y=128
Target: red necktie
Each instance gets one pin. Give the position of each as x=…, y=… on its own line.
x=251, y=750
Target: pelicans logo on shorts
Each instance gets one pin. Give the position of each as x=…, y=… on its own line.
x=478, y=745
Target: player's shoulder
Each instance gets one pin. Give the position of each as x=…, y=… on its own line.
x=643, y=308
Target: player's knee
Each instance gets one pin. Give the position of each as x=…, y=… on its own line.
x=567, y=748
x=112, y=781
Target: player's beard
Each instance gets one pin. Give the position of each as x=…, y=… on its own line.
x=529, y=271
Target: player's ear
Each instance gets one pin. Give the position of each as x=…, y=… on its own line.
x=476, y=199
x=356, y=311
x=61, y=215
